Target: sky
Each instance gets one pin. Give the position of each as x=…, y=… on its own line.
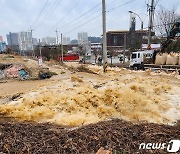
x=69, y=17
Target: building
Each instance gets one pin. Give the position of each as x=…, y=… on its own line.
x=153, y=46
x=20, y=41
x=12, y=39
x=96, y=46
x=49, y=40
x=115, y=39
x=82, y=37
x=35, y=41
x=25, y=41
x=95, y=39
x=74, y=42
x=1, y=39
x=2, y=47
x=66, y=40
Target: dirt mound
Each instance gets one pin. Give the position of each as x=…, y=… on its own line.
x=116, y=135
x=81, y=68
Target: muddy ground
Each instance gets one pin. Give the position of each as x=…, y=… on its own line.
x=72, y=112
x=83, y=94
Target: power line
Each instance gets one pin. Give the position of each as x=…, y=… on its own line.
x=159, y=25
x=81, y=15
x=72, y=25
x=177, y=5
x=115, y=19
x=120, y=5
x=63, y=16
x=157, y=1
x=52, y=9
x=83, y=24
x=40, y=13
x=100, y=15
x=111, y=2
x=108, y=10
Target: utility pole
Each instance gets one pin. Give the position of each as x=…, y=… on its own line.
x=57, y=37
x=151, y=15
x=141, y=34
x=40, y=54
x=124, y=48
x=104, y=35
x=32, y=41
x=62, y=58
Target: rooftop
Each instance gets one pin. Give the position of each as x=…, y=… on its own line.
x=126, y=31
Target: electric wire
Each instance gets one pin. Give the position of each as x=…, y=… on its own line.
x=112, y=20
x=112, y=9
x=86, y=17
x=52, y=9
x=40, y=13
x=100, y=15
x=80, y=16
x=55, y=26
x=85, y=14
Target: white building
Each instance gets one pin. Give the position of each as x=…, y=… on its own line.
x=25, y=41
x=35, y=41
x=1, y=39
x=96, y=46
x=66, y=40
x=153, y=46
x=82, y=37
x=49, y=40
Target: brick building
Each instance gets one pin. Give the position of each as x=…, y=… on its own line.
x=115, y=39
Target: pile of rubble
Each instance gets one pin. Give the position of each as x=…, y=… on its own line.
x=13, y=71
x=115, y=136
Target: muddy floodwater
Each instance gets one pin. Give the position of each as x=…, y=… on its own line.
x=82, y=98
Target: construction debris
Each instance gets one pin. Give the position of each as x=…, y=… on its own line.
x=115, y=136
x=13, y=71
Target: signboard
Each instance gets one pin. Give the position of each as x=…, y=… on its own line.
x=40, y=61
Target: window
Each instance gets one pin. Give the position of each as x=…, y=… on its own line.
x=115, y=40
x=138, y=55
x=133, y=56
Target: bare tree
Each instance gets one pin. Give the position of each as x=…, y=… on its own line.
x=165, y=19
x=96, y=52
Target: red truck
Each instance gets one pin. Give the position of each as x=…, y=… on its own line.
x=69, y=57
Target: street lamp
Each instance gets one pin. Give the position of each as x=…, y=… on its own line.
x=141, y=26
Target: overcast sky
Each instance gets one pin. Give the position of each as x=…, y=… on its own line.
x=44, y=16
